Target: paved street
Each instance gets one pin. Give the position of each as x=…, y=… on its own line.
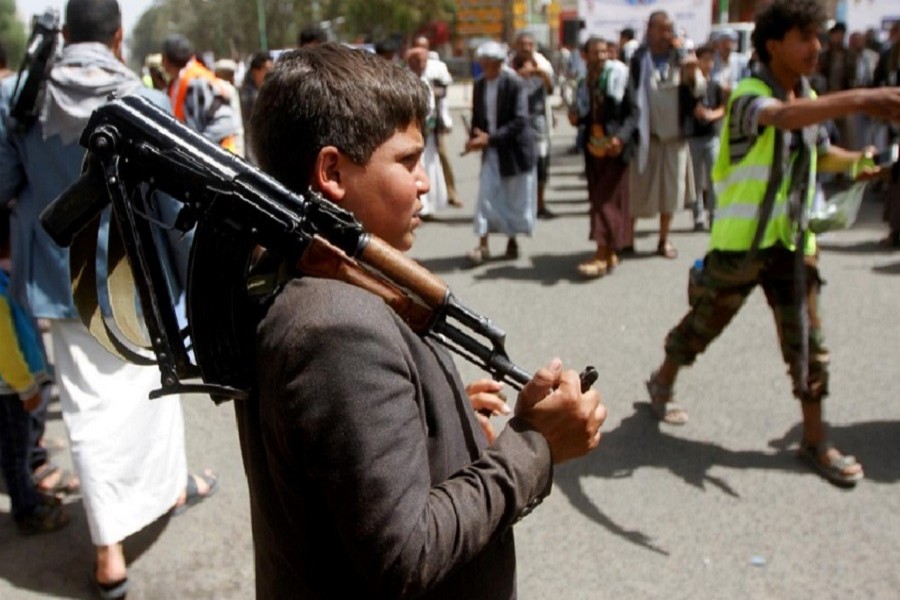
x=720, y=508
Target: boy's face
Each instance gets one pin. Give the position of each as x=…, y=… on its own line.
x=384, y=193
x=798, y=52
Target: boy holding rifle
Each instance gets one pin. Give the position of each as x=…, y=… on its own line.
x=361, y=445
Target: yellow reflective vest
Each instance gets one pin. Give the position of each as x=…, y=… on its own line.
x=741, y=188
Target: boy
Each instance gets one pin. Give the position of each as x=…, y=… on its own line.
x=22, y=374
x=702, y=100
x=746, y=249
x=360, y=445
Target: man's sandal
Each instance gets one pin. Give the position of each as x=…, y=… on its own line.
x=662, y=403
x=64, y=482
x=834, y=468
x=192, y=495
x=594, y=268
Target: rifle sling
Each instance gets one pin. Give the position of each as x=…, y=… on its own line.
x=83, y=273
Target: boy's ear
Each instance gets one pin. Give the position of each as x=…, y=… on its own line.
x=327, y=173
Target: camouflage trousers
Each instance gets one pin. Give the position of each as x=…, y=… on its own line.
x=718, y=291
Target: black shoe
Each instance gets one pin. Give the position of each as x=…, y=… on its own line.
x=699, y=227
x=45, y=518
x=512, y=249
x=627, y=251
x=545, y=214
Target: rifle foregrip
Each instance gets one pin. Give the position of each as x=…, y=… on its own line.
x=405, y=272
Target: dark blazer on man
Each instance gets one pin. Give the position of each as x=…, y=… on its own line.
x=513, y=137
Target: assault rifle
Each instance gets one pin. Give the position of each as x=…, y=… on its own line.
x=134, y=150
x=25, y=104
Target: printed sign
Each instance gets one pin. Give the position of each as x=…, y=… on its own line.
x=606, y=18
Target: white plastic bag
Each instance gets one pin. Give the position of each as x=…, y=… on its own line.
x=839, y=211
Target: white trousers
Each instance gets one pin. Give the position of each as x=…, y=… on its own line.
x=128, y=450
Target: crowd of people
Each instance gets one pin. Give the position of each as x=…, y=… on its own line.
x=407, y=485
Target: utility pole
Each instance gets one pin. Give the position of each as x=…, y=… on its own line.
x=261, y=22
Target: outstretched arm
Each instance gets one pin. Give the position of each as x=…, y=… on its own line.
x=880, y=103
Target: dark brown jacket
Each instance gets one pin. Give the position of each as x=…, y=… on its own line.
x=369, y=476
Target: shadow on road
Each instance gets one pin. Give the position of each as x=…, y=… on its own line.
x=639, y=442
x=891, y=269
x=60, y=564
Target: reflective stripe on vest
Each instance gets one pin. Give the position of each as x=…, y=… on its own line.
x=741, y=187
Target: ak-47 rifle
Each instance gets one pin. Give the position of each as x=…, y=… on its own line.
x=135, y=149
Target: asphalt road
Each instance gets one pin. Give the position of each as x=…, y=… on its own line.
x=720, y=508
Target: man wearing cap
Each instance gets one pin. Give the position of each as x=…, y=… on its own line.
x=729, y=67
x=200, y=100
x=507, y=186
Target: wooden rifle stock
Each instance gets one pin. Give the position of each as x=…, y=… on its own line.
x=323, y=259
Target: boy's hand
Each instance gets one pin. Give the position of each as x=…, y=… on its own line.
x=487, y=400
x=553, y=404
x=882, y=103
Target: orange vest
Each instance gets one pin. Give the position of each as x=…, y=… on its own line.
x=178, y=91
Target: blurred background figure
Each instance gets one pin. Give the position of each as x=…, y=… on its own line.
x=199, y=99
x=438, y=75
x=311, y=35
x=436, y=197
x=154, y=77
x=225, y=69
x=702, y=103
x=507, y=189
x=23, y=374
x=536, y=71
x=661, y=180
x=611, y=121
x=260, y=65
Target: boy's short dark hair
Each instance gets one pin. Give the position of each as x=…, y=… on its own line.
x=92, y=21
x=775, y=20
x=331, y=95
x=627, y=33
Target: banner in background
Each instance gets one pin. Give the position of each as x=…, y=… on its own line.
x=877, y=14
x=606, y=18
